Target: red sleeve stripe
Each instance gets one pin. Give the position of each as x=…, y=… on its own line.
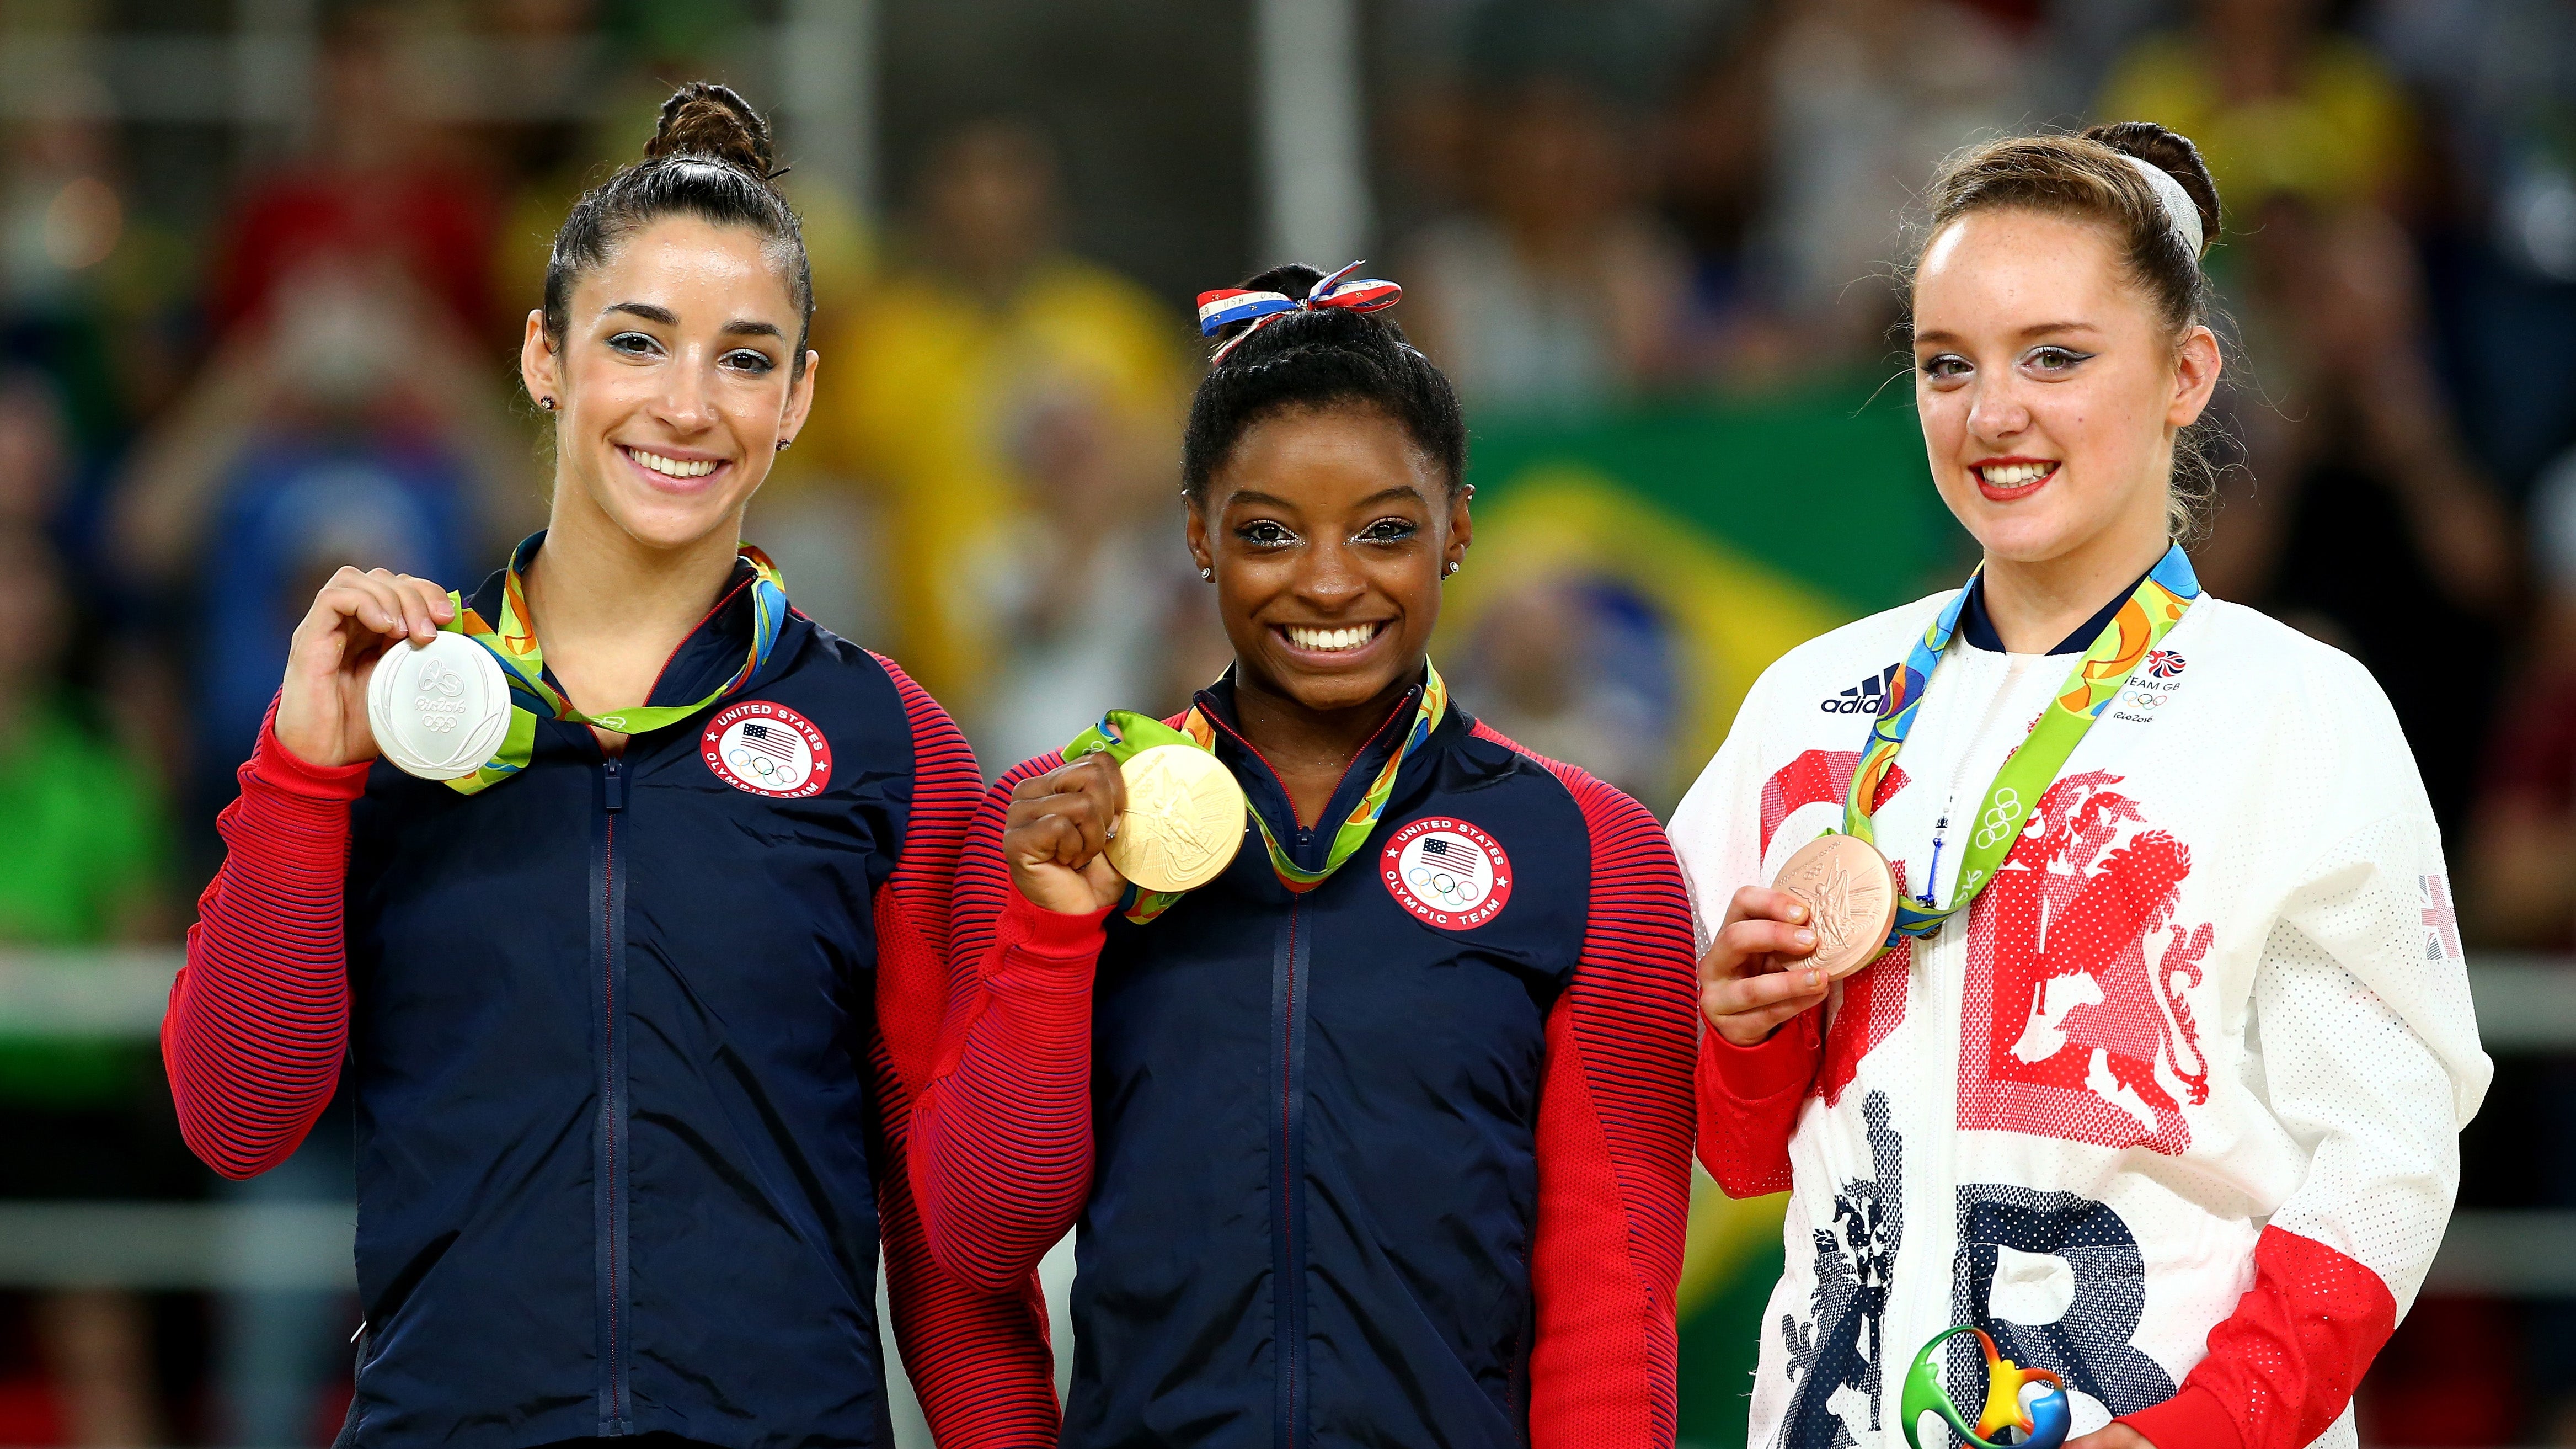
x=1605, y=1369
x=1003, y=1130
x=259, y=1017
x=912, y=908
x=1638, y=969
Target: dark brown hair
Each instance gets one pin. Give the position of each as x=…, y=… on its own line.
x=2086, y=177
x=710, y=158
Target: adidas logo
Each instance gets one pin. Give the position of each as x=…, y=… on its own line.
x=1864, y=697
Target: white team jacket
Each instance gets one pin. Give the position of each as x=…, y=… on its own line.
x=2215, y=989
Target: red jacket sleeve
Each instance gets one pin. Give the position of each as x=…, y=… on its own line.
x=259, y=1017
x=1749, y=1098
x=978, y=1359
x=1002, y=1133
x=2284, y=1364
x=1614, y=1142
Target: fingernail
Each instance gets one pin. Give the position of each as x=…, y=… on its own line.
x=1815, y=979
x=1806, y=938
x=1797, y=913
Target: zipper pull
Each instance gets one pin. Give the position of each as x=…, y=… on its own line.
x=616, y=788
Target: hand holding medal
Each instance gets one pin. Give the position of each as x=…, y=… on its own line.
x=1057, y=834
x=322, y=706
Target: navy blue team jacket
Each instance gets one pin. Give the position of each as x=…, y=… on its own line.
x=1317, y=1120
x=612, y=1029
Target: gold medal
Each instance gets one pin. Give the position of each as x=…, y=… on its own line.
x=1850, y=894
x=1184, y=819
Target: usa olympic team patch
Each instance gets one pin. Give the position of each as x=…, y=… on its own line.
x=1447, y=873
x=767, y=749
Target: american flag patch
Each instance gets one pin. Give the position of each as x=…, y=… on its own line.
x=769, y=740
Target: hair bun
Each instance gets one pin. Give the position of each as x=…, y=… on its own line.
x=705, y=119
x=2172, y=153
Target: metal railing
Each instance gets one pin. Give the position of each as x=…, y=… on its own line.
x=2524, y=1004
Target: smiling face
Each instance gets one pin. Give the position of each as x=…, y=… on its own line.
x=674, y=382
x=1329, y=530
x=2049, y=389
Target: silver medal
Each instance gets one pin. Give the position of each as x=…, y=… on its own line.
x=439, y=709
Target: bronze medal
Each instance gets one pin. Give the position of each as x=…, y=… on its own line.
x=1850, y=894
x=1184, y=819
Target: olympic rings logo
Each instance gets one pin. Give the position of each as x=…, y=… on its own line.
x=1996, y=826
x=782, y=773
x=2143, y=698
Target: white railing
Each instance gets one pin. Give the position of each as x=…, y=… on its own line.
x=2524, y=1003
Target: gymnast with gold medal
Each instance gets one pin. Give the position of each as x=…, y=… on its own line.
x=1355, y=1038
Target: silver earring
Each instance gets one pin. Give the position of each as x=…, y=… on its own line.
x=1453, y=566
x=1207, y=576
x=546, y=403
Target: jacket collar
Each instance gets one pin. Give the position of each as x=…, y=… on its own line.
x=1309, y=847
x=705, y=659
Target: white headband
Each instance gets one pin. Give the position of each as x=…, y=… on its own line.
x=2180, y=209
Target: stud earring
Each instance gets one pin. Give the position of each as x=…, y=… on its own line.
x=1453, y=566
x=1207, y=576
x=546, y=403
x=783, y=443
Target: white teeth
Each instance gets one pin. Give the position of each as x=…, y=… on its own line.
x=2013, y=475
x=1328, y=640
x=673, y=467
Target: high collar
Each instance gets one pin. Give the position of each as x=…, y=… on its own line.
x=1308, y=848
x=704, y=660
x=1977, y=627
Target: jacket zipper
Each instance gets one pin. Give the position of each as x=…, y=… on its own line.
x=1288, y=1254
x=612, y=1098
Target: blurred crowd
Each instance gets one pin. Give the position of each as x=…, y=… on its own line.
x=1593, y=205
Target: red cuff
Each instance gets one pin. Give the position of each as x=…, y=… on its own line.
x=1784, y=1063
x=2192, y=1419
x=1070, y=944
x=273, y=764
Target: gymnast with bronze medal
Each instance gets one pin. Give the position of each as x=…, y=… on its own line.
x=2101, y=1006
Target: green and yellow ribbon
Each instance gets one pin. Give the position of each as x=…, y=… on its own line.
x=1122, y=733
x=2144, y=618
x=523, y=665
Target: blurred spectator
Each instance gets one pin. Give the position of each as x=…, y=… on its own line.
x=1557, y=288
x=378, y=189
x=1561, y=290
x=63, y=216
x=2519, y=880
x=1100, y=538
x=78, y=1119
x=1717, y=187
x=2501, y=217
x=934, y=393
x=2277, y=103
x=1865, y=97
x=2521, y=855
x=1580, y=670
x=349, y=426
x=2357, y=490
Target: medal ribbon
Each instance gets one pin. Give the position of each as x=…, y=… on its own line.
x=523, y=665
x=2149, y=614
x=1122, y=733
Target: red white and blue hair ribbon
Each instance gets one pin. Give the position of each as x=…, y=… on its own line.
x=1229, y=305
